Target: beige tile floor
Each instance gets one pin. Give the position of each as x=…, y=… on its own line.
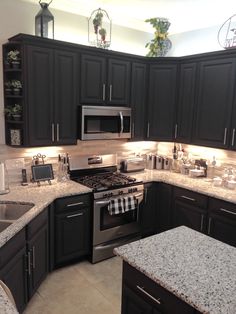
x=82, y=288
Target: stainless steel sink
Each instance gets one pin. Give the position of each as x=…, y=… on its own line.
x=12, y=211
x=4, y=225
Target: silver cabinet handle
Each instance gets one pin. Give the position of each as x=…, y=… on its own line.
x=102, y=203
x=188, y=198
x=74, y=204
x=58, y=128
x=133, y=128
x=158, y=301
x=53, y=133
x=233, y=136
x=227, y=211
x=225, y=135
x=33, y=257
x=148, y=129
x=29, y=263
x=209, y=226
x=176, y=130
x=202, y=220
x=74, y=215
x=121, y=122
x=145, y=198
x=103, y=91
x=110, y=93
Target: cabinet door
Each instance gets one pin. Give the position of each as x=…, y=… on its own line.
x=138, y=100
x=162, y=100
x=14, y=276
x=188, y=215
x=183, y=126
x=214, y=102
x=118, y=82
x=71, y=235
x=149, y=211
x=134, y=304
x=93, y=79
x=65, y=97
x=222, y=221
x=164, y=197
x=38, y=250
x=40, y=95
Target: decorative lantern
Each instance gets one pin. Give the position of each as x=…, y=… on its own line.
x=44, y=21
x=227, y=33
x=99, y=29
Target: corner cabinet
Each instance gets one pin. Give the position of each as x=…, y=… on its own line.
x=49, y=93
x=105, y=80
x=162, y=101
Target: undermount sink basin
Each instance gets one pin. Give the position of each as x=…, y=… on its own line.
x=4, y=225
x=13, y=211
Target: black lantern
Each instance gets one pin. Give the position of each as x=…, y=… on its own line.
x=44, y=21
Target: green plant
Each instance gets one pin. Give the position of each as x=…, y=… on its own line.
x=13, y=55
x=97, y=21
x=16, y=84
x=10, y=111
x=103, y=33
x=157, y=46
x=8, y=84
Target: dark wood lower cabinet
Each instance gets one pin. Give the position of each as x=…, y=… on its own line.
x=13, y=268
x=141, y=295
x=72, y=228
x=222, y=221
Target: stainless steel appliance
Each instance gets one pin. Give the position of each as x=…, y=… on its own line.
x=151, y=161
x=102, y=122
x=159, y=162
x=132, y=164
x=109, y=231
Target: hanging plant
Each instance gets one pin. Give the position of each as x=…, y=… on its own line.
x=103, y=33
x=160, y=44
x=97, y=21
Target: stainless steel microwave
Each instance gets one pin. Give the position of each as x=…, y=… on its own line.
x=103, y=122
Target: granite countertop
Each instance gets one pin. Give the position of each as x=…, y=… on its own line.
x=196, y=268
x=45, y=194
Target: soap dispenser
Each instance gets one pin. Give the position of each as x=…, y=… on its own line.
x=4, y=183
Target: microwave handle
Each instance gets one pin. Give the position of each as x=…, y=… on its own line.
x=121, y=122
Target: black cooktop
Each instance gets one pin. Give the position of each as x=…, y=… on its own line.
x=105, y=181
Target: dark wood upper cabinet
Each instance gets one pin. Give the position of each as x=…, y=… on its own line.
x=104, y=80
x=162, y=101
x=138, y=100
x=184, y=117
x=51, y=96
x=215, y=91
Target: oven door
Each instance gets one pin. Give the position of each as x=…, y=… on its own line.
x=108, y=227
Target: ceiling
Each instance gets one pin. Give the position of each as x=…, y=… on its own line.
x=184, y=15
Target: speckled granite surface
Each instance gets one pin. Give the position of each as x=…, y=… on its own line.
x=196, y=268
x=201, y=185
x=6, y=307
x=46, y=194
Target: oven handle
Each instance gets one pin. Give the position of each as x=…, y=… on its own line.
x=107, y=202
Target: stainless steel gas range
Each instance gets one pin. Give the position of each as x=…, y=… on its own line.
x=116, y=204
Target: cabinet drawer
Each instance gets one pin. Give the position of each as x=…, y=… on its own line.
x=190, y=197
x=72, y=203
x=36, y=224
x=12, y=247
x=154, y=294
x=222, y=208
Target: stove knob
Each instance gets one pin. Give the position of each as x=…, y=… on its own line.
x=120, y=192
x=105, y=195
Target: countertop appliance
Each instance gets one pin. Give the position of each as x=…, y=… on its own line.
x=109, y=187
x=103, y=122
x=132, y=164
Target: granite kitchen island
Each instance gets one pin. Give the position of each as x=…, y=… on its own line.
x=179, y=265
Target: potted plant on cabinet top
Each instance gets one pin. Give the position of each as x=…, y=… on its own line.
x=13, y=112
x=13, y=58
x=16, y=86
x=8, y=87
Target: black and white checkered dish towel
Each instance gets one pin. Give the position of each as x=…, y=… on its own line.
x=122, y=205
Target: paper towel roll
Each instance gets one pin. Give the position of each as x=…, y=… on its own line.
x=2, y=177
